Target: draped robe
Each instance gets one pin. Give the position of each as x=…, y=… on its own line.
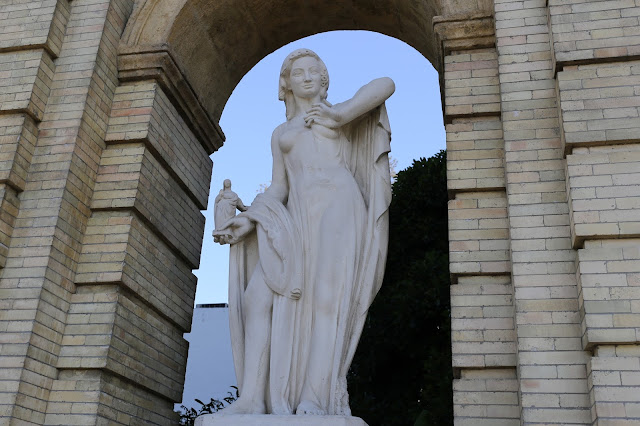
x=282, y=249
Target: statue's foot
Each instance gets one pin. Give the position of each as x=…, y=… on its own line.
x=309, y=408
x=245, y=406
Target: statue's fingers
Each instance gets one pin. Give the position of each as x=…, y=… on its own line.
x=313, y=116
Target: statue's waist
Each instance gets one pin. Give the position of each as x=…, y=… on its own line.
x=313, y=175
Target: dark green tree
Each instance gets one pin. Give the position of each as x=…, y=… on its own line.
x=401, y=374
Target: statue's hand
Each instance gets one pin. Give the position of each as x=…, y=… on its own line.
x=236, y=230
x=296, y=293
x=327, y=116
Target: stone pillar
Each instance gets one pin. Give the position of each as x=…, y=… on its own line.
x=562, y=110
x=596, y=45
x=101, y=189
x=551, y=361
x=482, y=324
x=60, y=56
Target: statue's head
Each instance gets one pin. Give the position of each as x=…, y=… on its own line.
x=226, y=184
x=284, y=88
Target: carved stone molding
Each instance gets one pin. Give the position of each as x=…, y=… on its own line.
x=465, y=31
x=138, y=63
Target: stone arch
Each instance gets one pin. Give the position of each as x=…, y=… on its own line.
x=194, y=52
x=212, y=44
x=216, y=42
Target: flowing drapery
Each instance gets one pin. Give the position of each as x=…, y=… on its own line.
x=278, y=249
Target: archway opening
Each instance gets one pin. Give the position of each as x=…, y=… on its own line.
x=253, y=111
x=216, y=43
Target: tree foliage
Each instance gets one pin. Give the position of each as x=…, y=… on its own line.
x=401, y=373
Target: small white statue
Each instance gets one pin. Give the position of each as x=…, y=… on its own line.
x=225, y=207
x=308, y=257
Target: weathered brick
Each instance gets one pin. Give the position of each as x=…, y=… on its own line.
x=593, y=29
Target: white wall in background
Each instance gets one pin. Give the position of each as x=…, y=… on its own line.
x=210, y=372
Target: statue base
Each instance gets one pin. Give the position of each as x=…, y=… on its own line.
x=273, y=420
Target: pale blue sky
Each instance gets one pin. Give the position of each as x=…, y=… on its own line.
x=353, y=58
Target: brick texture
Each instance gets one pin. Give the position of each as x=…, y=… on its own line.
x=475, y=154
x=110, y=330
x=102, y=182
x=83, y=397
x=614, y=378
x=600, y=103
x=486, y=398
x=119, y=247
x=25, y=81
x=551, y=363
x=131, y=177
x=9, y=205
x=603, y=192
x=478, y=234
x=609, y=281
x=471, y=83
x=482, y=322
x=591, y=30
x=17, y=143
x=34, y=23
x=142, y=112
x=482, y=327
x=45, y=244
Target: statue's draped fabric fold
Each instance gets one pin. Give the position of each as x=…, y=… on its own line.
x=291, y=247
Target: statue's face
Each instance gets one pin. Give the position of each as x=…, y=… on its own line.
x=305, y=79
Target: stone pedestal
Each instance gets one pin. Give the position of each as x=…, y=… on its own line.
x=272, y=420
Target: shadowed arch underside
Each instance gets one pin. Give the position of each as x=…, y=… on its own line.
x=215, y=43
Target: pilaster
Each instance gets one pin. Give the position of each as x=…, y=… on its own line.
x=482, y=323
x=551, y=362
x=596, y=47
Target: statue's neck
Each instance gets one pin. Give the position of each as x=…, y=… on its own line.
x=304, y=104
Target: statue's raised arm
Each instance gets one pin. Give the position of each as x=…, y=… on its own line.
x=367, y=98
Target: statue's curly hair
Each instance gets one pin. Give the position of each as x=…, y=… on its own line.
x=284, y=91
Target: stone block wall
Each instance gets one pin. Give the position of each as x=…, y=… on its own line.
x=101, y=187
x=482, y=322
x=595, y=48
x=550, y=359
x=562, y=115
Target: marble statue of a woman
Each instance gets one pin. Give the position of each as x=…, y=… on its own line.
x=308, y=256
x=225, y=206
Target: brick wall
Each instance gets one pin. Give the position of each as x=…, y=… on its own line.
x=600, y=103
x=609, y=272
x=550, y=359
x=591, y=30
x=482, y=321
x=595, y=45
x=97, y=287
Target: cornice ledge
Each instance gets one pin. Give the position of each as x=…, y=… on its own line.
x=465, y=31
x=155, y=62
